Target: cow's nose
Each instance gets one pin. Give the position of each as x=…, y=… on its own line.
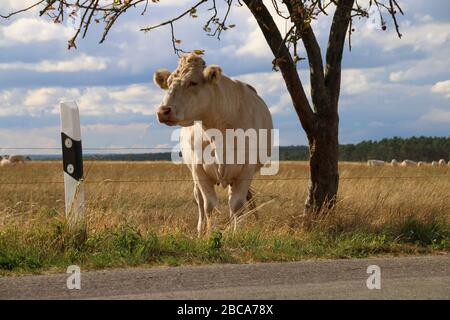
x=164, y=113
x=166, y=110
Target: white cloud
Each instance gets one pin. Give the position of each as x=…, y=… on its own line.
x=254, y=46
x=442, y=87
x=271, y=87
x=397, y=76
x=264, y=82
x=81, y=63
x=132, y=135
x=423, y=35
x=283, y=105
x=41, y=97
x=254, y=43
x=432, y=38
x=94, y=101
x=9, y=99
x=425, y=18
x=369, y=100
x=32, y=30
x=112, y=100
x=113, y=129
x=270, y=84
x=438, y=63
x=45, y=137
x=8, y=6
x=436, y=116
x=357, y=81
x=419, y=35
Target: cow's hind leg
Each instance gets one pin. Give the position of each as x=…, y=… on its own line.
x=238, y=194
x=201, y=210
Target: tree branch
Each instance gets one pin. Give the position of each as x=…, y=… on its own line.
x=300, y=19
x=336, y=42
x=146, y=29
x=21, y=10
x=170, y=22
x=283, y=60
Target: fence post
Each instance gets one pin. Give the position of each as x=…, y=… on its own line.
x=73, y=167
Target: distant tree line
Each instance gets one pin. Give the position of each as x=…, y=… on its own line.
x=414, y=148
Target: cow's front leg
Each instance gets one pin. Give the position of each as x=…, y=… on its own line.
x=201, y=209
x=237, y=193
x=209, y=203
x=207, y=192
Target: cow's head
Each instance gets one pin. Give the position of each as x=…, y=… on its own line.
x=190, y=91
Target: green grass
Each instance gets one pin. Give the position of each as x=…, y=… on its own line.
x=51, y=247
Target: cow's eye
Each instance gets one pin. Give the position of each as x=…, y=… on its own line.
x=192, y=83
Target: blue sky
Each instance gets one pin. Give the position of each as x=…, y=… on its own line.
x=390, y=86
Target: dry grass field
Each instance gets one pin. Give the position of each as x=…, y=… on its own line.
x=144, y=213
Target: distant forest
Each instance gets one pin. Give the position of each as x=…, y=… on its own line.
x=415, y=148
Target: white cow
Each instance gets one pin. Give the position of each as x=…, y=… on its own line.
x=17, y=159
x=196, y=92
x=442, y=163
x=394, y=163
x=434, y=163
x=408, y=163
x=5, y=162
x=375, y=163
x=421, y=164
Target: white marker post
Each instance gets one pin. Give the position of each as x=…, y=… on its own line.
x=73, y=166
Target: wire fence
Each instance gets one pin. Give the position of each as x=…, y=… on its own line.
x=88, y=148
x=105, y=181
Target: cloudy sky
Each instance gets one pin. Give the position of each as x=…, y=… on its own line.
x=391, y=87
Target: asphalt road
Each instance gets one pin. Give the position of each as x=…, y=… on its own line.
x=425, y=277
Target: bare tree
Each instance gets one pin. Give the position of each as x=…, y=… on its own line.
x=319, y=120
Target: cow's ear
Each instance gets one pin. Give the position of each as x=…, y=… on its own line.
x=160, y=78
x=212, y=73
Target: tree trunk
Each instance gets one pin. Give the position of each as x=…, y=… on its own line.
x=320, y=121
x=324, y=181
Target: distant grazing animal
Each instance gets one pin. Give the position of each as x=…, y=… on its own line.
x=375, y=163
x=408, y=163
x=420, y=164
x=434, y=164
x=5, y=162
x=394, y=163
x=17, y=159
x=442, y=163
x=197, y=92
